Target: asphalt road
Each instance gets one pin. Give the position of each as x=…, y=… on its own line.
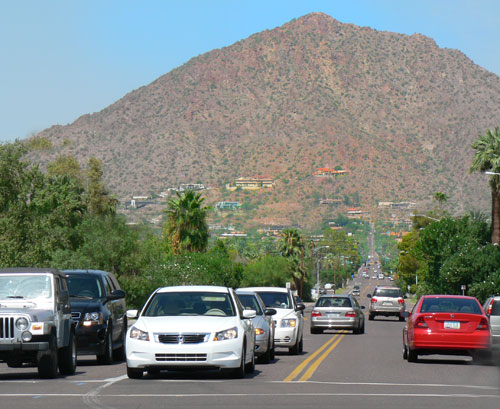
x=336, y=370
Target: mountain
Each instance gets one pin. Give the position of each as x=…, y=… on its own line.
x=396, y=111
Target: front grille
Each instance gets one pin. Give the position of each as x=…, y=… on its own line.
x=76, y=315
x=181, y=357
x=182, y=338
x=6, y=327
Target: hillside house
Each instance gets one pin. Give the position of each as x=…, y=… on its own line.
x=329, y=172
x=257, y=182
x=221, y=206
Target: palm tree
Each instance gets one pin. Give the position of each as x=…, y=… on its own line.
x=440, y=197
x=293, y=247
x=186, y=225
x=487, y=158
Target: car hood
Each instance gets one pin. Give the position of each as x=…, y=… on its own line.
x=196, y=324
x=81, y=304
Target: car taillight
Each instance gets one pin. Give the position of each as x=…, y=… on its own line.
x=316, y=314
x=401, y=301
x=483, y=324
x=374, y=300
x=350, y=314
x=420, y=323
x=490, y=307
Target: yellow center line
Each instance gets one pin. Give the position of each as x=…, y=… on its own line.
x=299, y=369
x=317, y=363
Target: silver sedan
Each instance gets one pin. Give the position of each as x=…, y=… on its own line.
x=337, y=312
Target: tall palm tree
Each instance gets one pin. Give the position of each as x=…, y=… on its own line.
x=186, y=225
x=293, y=247
x=440, y=197
x=487, y=158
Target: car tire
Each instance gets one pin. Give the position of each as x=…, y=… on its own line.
x=295, y=349
x=266, y=358
x=315, y=331
x=250, y=367
x=362, y=329
x=301, y=345
x=134, y=373
x=119, y=353
x=412, y=355
x=239, y=372
x=405, y=352
x=401, y=318
x=371, y=317
x=273, y=352
x=47, y=365
x=107, y=357
x=67, y=357
x=482, y=357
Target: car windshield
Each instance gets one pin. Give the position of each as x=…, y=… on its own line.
x=388, y=292
x=250, y=302
x=25, y=286
x=84, y=286
x=333, y=302
x=463, y=305
x=276, y=300
x=185, y=303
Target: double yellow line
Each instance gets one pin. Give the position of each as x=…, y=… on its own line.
x=315, y=363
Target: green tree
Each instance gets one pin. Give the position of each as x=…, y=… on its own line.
x=186, y=226
x=100, y=202
x=487, y=158
x=293, y=247
x=66, y=165
x=440, y=197
x=269, y=270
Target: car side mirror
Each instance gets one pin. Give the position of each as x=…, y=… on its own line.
x=405, y=296
x=300, y=307
x=116, y=295
x=249, y=314
x=362, y=307
x=132, y=314
x=269, y=311
x=368, y=296
x=405, y=314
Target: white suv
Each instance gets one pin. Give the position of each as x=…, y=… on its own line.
x=288, y=321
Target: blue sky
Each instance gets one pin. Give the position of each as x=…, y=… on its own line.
x=61, y=59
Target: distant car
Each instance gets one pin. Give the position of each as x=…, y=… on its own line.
x=446, y=325
x=263, y=324
x=98, y=307
x=492, y=309
x=355, y=290
x=374, y=276
x=191, y=327
x=337, y=312
x=288, y=321
x=381, y=276
x=386, y=301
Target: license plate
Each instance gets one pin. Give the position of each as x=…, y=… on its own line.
x=451, y=325
x=333, y=314
x=387, y=303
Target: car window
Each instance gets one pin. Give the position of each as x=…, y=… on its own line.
x=249, y=302
x=333, y=302
x=276, y=300
x=87, y=286
x=387, y=292
x=450, y=305
x=184, y=303
x=495, y=308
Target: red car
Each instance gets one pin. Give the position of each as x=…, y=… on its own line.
x=446, y=325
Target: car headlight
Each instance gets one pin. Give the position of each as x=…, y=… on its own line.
x=231, y=333
x=22, y=324
x=289, y=323
x=139, y=334
x=91, y=318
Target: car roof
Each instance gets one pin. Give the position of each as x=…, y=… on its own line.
x=334, y=296
x=31, y=270
x=194, y=288
x=266, y=289
x=449, y=296
x=387, y=287
x=91, y=272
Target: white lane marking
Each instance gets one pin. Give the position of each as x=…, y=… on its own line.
x=92, y=398
x=437, y=385
x=252, y=395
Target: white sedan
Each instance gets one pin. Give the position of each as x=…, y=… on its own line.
x=198, y=327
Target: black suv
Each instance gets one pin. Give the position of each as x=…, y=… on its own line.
x=98, y=307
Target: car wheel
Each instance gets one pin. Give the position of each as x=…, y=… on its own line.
x=47, y=365
x=107, y=356
x=266, y=358
x=134, y=373
x=401, y=318
x=273, y=351
x=412, y=355
x=295, y=349
x=301, y=345
x=482, y=357
x=314, y=330
x=362, y=329
x=67, y=356
x=371, y=317
x=119, y=353
x=240, y=371
x=405, y=352
x=250, y=367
